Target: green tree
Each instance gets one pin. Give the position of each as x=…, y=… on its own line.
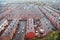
x=54, y=35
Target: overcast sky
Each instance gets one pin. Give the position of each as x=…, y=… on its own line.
x=2, y=1
x=24, y=0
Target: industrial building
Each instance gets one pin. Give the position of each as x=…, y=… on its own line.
x=23, y=21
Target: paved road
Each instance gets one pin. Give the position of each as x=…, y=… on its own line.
x=19, y=35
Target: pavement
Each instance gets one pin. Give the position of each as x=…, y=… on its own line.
x=20, y=34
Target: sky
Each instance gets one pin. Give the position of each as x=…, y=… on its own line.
x=7, y=1
x=23, y=0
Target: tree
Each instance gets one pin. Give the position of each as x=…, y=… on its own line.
x=54, y=35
